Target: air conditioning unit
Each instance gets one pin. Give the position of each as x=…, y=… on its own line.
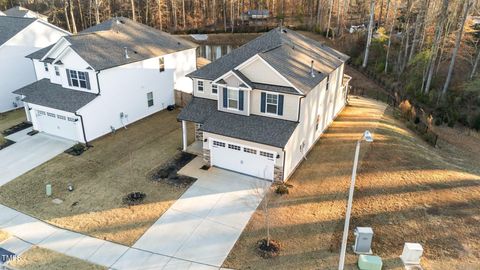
x=412, y=252
x=363, y=240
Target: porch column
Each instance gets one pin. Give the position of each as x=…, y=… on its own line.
x=184, y=135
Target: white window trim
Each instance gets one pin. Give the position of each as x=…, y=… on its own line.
x=216, y=86
x=266, y=103
x=78, y=79
x=57, y=70
x=150, y=99
x=228, y=99
x=203, y=86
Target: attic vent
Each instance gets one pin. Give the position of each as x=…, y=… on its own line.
x=312, y=73
x=178, y=43
x=117, y=21
x=126, y=52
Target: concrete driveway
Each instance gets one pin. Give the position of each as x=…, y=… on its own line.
x=204, y=224
x=28, y=152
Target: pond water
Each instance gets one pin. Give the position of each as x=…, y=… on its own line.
x=213, y=52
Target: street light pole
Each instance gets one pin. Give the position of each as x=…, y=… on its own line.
x=367, y=136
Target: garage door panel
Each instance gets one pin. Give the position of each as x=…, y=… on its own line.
x=57, y=124
x=243, y=159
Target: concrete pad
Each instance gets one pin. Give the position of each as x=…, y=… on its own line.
x=7, y=214
x=167, y=235
x=85, y=248
x=175, y=264
x=197, y=201
x=29, y=229
x=20, y=135
x=133, y=259
x=107, y=254
x=28, y=153
x=15, y=245
x=210, y=243
x=61, y=240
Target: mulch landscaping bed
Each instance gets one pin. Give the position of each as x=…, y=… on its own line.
x=168, y=171
x=16, y=128
x=76, y=150
x=6, y=144
x=268, y=251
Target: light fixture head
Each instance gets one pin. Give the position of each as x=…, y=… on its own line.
x=368, y=136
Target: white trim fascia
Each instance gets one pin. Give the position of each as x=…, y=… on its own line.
x=54, y=26
x=60, y=42
x=230, y=72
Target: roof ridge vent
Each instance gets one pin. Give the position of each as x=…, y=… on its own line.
x=126, y=52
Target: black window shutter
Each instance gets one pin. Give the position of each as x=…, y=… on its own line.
x=240, y=100
x=280, y=104
x=68, y=76
x=263, y=101
x=87, y=78
x=225, y=97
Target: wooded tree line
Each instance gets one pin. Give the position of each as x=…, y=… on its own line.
x=420, y=44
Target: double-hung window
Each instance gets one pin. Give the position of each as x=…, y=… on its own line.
x=214, y=89
x=272, y=103
x=200, y=86
x=78, y=79
x=150, y=99
x=45, y=66
x=57, y=70
x=232, y=99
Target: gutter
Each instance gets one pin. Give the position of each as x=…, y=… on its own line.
x=83, y=129
x=98, y=83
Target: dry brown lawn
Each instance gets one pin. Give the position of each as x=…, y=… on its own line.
x=406, y=190
x=43, y=259
x=115, y=166
x=10, y=119
x=3, y=236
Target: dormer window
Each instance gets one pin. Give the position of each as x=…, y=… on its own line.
x=272, y=103
x=45, y=66
x=78, y=79
x=232, y=99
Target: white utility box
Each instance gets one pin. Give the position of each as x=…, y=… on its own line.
x=412, y=252
x=363, y=240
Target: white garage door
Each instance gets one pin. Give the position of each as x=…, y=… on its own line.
x=235, y=157
x=57, y=124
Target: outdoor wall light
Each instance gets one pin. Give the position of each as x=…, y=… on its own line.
x=278, y=155
x=205, y=140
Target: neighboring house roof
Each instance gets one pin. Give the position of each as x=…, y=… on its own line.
x=2, y=14
x=11, y=26
x=55, y=96
x=40, y=53
x=256, y=12
x=103, y=46
x=253, y=128
x=288, y=52
x=24, y=12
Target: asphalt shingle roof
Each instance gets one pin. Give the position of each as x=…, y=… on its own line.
x=21, y=12
x=40, y=53
x=254, y=128
x=52, y=95
x=287, y=52
x=103, y=46
x=10, y=26
x=198, y=110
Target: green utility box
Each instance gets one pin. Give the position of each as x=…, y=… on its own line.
x=369, y=262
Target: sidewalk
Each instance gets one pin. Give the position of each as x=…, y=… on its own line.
x=27, y=231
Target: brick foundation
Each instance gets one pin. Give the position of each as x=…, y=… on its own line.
x=278, y=174
x=206, y=157
x=198, y=133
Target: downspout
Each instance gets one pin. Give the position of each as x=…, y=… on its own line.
x=283, y=167
x=98, y=83
x=83, y=129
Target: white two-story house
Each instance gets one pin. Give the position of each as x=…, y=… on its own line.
x=18, y=38
x=105, y=78
x=259, y=109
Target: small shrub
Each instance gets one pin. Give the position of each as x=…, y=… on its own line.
x=451, y=123
x=406, y=109
x=76, y=150
x=281, y=189
x=416, y=120
x=475, y=122
x=134, y=198
x=438, y=121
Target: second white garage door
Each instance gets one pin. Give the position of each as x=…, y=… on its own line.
x=57, y=125
x=242, y=159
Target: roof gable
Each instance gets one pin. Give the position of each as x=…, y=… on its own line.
x=11, y=26
x=287, y=52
